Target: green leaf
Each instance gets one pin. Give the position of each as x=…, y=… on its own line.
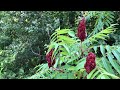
x=102, y=34
x=107, y=65
x=66, y=39
x=111, y=16
x=71, y=33
x=99, y=76
x=71, y=68
x=57, y=29
x=106, y=24
x=70, y=76
x=1, y=52
x=91, y=73
x=50, y=46
x=116, y=54
x=92, y=40
x=63, y=31
x=112, y=75
x=108, y=48
x=71, y=60
x=100, y=37
x=102, y=50
x=56, y=47
x=118, y=49
x=110, y=19
x=80, y=65
x=113, y=63
x=95, y=74
x=53, y=39
x=67, y=49
x=53, y=35
x=56, y=63
x=64, y=53
x=104, y=77
x=95, y=49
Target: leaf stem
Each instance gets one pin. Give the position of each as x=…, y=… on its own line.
x=57, y=69
x=81, y=50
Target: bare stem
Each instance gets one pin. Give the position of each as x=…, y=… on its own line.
x=57, y=69
x=81, y=50
x=38, y=54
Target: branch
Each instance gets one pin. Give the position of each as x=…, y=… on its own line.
x=57, y=69
x=38, y=54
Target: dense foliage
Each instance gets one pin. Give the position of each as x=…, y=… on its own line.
x=59, y=45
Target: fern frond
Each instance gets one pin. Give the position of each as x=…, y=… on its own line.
x=110, y=58
x=62, y=41
x=103, y=19
x=102, y=34
x=100, y=73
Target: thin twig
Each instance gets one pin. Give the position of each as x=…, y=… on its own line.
x=81, y=50
x=38, y=54
x=57, y=69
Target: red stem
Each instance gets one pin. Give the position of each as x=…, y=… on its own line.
x=81, y=50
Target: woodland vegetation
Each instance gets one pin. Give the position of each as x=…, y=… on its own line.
x=59, y=44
